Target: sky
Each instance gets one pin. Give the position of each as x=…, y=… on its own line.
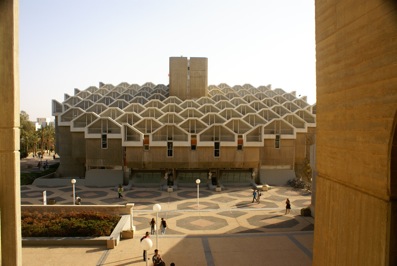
x=78, y=43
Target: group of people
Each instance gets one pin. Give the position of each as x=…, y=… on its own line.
x=156, y=259
x=163, y=226
x=41, y=164
x=256, y=197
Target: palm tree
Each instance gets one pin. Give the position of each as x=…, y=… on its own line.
x=46, y=138
x=49, y=137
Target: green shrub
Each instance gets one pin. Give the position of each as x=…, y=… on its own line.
x=67, y=224
x=28, y=178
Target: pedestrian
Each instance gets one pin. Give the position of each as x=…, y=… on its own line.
x=120, y=191
x=259, y=196
x=152, y=226
x=157, y=261
x=253, y=196
x=163, y=226
x=287, y=206
x=144, y=251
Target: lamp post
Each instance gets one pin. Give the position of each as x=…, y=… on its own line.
x=157, y=208
x=198, y=192
x=146, y=244
x=73, y=181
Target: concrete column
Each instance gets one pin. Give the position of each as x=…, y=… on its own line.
x=11, y=247
x=356, y=48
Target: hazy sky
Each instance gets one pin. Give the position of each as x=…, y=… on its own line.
x=78, y=43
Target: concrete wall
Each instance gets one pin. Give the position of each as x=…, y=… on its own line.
x=11, y=247
x=276, y=177
x=356, y=49
x=72, y=152
x=284, y=155
x=103, y=178
x=184, y=157
x=98, y=157
x=302, y=150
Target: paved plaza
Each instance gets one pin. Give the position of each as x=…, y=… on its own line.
x=218, y=228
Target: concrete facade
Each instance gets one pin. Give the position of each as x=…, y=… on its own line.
x=356, y=49
x=232, y=132
x=10, y=201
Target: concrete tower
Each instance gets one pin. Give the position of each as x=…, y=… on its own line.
x=188, y=77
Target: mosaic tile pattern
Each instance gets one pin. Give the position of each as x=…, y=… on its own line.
x=227, y=212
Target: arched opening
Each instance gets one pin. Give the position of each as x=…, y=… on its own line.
x=393, y=197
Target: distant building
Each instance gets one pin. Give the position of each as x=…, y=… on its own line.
x=43, y=122
x=175, y=134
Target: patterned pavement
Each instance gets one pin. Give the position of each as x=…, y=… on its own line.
x=230, y=211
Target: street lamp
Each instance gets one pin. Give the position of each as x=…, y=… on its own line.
x=146, y=244
x=157, y=208
x=198, y=192
x=73, y=181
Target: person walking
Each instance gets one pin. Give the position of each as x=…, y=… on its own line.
x=152, y=226
x=258, y=199
x=253, y=196
x=120, y=191
x=144, y=251
x=163, y=226
x=287, y=206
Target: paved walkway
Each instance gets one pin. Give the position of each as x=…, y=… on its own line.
x=219, y=228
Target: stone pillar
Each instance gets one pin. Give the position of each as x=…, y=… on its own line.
x=356, y=51
x=11, y=247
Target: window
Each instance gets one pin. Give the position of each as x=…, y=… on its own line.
x=104, y=141
x=277, y=142
x=193, y=143
x=170, y=147
x=217, y=146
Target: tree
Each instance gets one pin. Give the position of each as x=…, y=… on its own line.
x=47, y=138
x=28, y=135
x=30, y=139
